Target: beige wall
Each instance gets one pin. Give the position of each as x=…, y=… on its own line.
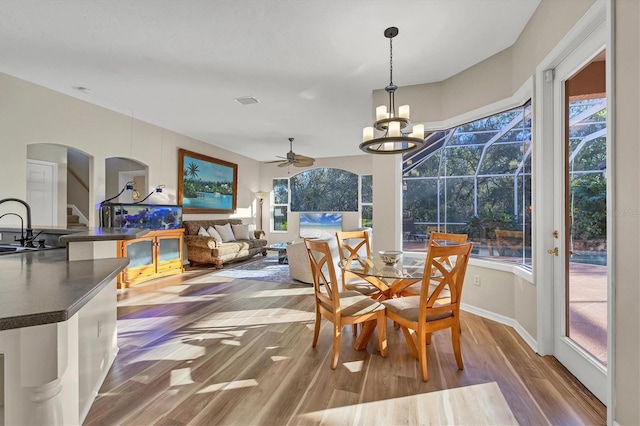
x=626, y=211
x=497, y=77
x=32, y=114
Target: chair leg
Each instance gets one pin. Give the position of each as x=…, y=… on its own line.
x=382, y=333
x=428, y=339
x=316, y=330
x=422, y=355
x=455, y=339
x=337, y=331
x=354, y=329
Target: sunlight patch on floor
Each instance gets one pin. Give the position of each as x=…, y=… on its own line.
x=354, y=366
x=180, y=377
x=481, y=404
x=282, y=292
x=277, y=358
x=236, y=384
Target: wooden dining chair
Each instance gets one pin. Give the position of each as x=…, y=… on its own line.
x=340, y=307
x=352, y=245
x=509, y=243
x=436, y=239
x=418, y=317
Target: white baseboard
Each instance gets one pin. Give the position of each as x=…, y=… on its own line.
x=533, y=344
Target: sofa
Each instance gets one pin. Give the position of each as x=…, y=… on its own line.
x=211, y=249
x=298, y=259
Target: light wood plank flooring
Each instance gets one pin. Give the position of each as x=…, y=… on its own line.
x=203, y=350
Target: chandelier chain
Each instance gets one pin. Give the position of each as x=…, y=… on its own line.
x=391, y=62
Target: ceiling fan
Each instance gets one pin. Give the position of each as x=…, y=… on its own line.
x=293, y=159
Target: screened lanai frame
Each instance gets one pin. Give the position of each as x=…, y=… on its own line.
x=493, y=155
x=473, y=179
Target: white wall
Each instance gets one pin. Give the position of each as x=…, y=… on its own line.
x=31, y=114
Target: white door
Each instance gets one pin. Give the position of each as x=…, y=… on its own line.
x=42, y=194
x=581, y=274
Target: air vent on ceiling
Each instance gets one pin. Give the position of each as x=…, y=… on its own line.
x=247, y=100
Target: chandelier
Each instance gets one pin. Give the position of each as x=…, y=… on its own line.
x=392, y=140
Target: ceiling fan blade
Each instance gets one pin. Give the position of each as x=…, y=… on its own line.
x=303, y=163
x=285, y=164
x=303, y=158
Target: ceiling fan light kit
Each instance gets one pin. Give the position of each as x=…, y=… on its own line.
x=293, y=159
x=392, y=140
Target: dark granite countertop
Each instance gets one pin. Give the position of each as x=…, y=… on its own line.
x=42, y=287
x=104, y=234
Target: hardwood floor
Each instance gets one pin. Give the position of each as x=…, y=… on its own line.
x=200, y=349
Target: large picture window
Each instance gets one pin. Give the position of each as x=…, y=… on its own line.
x=324, y=190
x=473, y=179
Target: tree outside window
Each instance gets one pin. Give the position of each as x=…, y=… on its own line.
x=472, y=179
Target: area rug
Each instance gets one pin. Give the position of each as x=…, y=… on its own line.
x=258, y=268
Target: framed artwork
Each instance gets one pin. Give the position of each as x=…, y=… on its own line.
x=206, y=184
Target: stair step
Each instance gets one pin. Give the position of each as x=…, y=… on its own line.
x=76, y=225
x=73, y=218
x=69, y=210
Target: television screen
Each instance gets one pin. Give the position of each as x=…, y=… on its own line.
x=320, y=225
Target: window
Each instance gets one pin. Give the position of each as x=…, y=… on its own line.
x=366, y=201
x=280, y=204
x=324, y=190
x=473, y=179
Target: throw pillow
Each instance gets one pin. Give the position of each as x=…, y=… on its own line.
x=203, y=232
x=214, y=234
x=225, y=232
x=252, y=231
x=241, y=232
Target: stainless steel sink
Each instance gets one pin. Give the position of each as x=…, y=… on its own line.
x=14, y=248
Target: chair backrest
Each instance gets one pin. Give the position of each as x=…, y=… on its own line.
x=324, y=273
x=444, y=236
x=509, y=242
x=449, y=265
x=351, y=246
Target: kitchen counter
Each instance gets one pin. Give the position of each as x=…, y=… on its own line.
x=41, y=287
x=58, y=327
x=104, y=234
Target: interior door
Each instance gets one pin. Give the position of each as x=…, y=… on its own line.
x=581, y=273
x=41, y=192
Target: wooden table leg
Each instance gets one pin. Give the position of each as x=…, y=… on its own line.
x=365, y=335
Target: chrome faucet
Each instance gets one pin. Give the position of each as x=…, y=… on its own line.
x=26, y=240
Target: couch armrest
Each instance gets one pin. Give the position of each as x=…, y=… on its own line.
x=200, y=241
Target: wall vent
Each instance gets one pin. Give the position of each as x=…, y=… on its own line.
x=247, y=100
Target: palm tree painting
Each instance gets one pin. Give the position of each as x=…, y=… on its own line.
x=206, y=184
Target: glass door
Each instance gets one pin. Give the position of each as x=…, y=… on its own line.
x=581, y=273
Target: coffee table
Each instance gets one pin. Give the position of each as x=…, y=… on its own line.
x=281, y=248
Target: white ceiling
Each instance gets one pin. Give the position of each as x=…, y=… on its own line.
x=312, y=63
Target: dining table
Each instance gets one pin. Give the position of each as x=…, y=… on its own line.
x=389, y=278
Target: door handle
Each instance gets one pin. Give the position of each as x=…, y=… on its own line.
x=553, y=251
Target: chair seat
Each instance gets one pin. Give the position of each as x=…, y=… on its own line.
x=414, y=289
x=408, y=307
x=353, y=303
x=361, y=286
